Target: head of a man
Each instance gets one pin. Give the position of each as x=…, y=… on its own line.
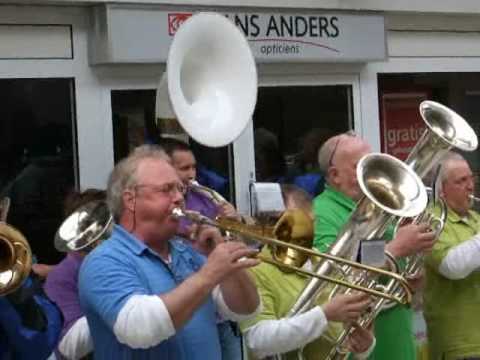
x=143, y=189
x=182, y=159
x=338, y=159
x=457, y=183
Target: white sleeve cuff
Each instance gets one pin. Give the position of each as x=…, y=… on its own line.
x=143, y=322
x=270, y=337
x=77, y=342
x=461, y=260
x=225, y=311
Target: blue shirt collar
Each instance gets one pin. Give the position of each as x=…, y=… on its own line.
x=139, y=247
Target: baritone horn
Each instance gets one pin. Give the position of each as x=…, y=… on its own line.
x=15, y=254
x=445, y=130
x=210, y=84
x=390, y=190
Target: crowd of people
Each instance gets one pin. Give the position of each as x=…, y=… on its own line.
x=164, y=287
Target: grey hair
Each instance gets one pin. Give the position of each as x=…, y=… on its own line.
x=124, y=175
x=444, y=168
x=326, y=150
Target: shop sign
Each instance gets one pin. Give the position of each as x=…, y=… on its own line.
x=273, y=37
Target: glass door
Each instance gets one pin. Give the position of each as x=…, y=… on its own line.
x=290, y=123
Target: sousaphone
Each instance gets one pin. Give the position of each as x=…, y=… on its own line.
x=210, y=84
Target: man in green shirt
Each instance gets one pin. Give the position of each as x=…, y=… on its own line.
x=338, y=159
x=452, y=292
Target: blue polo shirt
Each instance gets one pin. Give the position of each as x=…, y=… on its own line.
x=124, y=266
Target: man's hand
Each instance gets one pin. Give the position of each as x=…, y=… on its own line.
x=42, y=270
x=227, y=210
x=228, y=258
x=411, y=239
x=205, y=238
x=346, y=308
x=360, y=339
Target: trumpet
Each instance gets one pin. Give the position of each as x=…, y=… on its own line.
x=214, y=196
x=244, y=231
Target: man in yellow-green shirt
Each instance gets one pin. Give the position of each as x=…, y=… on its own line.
x=271, y=332
x=452, y=292
x=338, y=159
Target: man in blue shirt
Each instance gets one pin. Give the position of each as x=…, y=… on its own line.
x=145, y=292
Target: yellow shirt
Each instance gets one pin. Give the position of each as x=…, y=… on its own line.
x=452, y=307
x=279, y=291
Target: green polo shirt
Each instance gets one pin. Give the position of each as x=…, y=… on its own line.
x=393, y=327
x=452, y=307
x=279, y=291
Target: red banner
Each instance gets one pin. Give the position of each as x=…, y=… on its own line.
x=401, y=123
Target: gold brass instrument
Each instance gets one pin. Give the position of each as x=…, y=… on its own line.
x=279, y=247
x=15, y=254
x=211, y=194
x=84, y=228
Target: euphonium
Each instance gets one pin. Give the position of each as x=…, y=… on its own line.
x=445, y=130
x=391, y=190
x=15, y=255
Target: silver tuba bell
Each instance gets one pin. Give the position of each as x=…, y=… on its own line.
x=84, y=228
x=445, y=130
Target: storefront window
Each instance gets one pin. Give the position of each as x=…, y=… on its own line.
x=290, y=124
x=401, y=94
x=134, y=124
x=37, y=151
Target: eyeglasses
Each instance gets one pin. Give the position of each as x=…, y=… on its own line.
x=349, y=133
x=330, y=160
x=167, y=189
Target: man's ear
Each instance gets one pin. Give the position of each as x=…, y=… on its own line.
x=332, y=174
x=128, y=197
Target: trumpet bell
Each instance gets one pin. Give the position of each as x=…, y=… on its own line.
x=212, y=79
x=82, y=229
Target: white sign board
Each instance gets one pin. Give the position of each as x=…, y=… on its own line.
x=144, y=35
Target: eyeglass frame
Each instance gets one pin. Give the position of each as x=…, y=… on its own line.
x=166, y=189
x=348, y=133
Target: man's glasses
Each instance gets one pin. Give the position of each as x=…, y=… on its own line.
x=330, y=160
x=167, y=189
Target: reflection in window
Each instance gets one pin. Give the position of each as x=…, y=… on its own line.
x=290, y=125
x=37, y=168
x=134, y=124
